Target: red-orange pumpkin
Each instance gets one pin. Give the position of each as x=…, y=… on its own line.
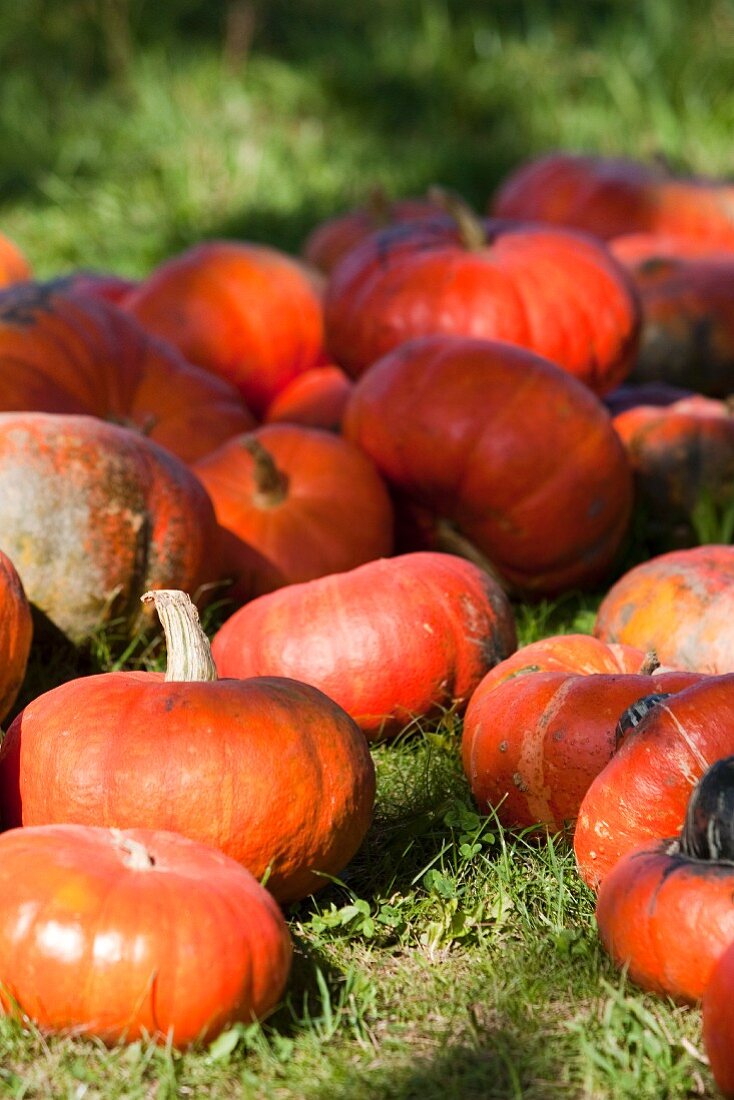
x=390, y=641
x=295, y=503
x=666, y=911
x=14, y=267
x=268, y=770
x=125, y=935
x=680, y=604
x=642, y=793
x=245, y=312
x=61, y=352
x=16, y=633
x=316, y=399
x=557, y=293
x=507, y=450
x=718, y=1021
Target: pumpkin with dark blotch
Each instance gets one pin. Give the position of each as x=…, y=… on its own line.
x=93, y=514
x=533, y=743
x=16, y=633
x=67, y=352
x=666, y=911
x=681, y=604
x=609, y=196
x=294, y=503
x=391, y=641
x=686, y=291
x=447, y=421
x=554, y=292
x=125, y=935
x=269, y=770
x=641, y=795
x=248, y=313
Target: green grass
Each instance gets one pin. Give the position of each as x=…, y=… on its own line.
x=453, y=959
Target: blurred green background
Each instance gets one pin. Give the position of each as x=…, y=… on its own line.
x=131, y=128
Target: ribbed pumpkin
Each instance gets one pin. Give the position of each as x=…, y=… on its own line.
x=268, y=770
x=642, y=793
x=680, y=604
x=390, y=641
x=557, y=293
x=295, y=503
x=610, y=196
x=134, y=934
x=507, y=452
x=666, y=911
x=245, y=312
x=93, y=514
x=16, y=633
x=62, y=352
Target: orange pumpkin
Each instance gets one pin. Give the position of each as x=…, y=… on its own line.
x=16, y=633
x=316, y=399
x=14, y=267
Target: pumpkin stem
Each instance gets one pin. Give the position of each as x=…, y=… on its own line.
x=189, y=654
x=137, y=856
x=451, y=541
x=708, y=831
x=271, y=484
x=650, y=664
x=471, y=228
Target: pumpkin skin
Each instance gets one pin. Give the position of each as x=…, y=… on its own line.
x=390, y=641
x=577, y=653
x=61, y=352
x=610, y=196
x=445, y=419
x=281, y=778
x=245, y=312
x=532, y=744
x=687, y=296
x=16, y=634
x=127, y=516
x=14, y=267
x=287, y=498
x=640, y=797
x=681, y=604
x=315, y=399
x=98, y=940
x=682, y=456
x=96, y=284
x=716, y=1017
x=554, y=292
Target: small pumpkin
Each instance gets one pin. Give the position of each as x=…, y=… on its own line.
x=666, y=910
x=14, y=266
x=130, y=934
x=268, y=770
x=316, y=399
x=391, y=641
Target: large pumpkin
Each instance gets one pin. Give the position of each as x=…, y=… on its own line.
x=134, y=934
x=16, y=632
x=64, y=352
x=93, y=514
x=391, y=641
x=268, y=770
x=502, y=448
x=557, y=293
x=681, y=604
x=246, y=312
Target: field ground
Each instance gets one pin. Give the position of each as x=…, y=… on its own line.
x=452, y=960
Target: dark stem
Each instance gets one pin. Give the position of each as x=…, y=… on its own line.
x=271, y=484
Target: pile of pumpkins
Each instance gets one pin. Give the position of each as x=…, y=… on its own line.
x=370, y=451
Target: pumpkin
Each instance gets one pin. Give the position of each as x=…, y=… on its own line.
x=554, y=292
x=446, y=421
x=316, y=399
x=716, y=1016
x=533, y=743
x=575, y=653
x=681, y=604
x=391, y=641
x=268, y=770
x=610, y=196
x=295, y=503
x=16, y=633
x=687, y=296
x=14, y=267
x=247, y=313
x=95, y=284
x=62, y=352
x=93, y=514
x=666, y=910
x=134, y=934
x=682, y=456
x=640, y=797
